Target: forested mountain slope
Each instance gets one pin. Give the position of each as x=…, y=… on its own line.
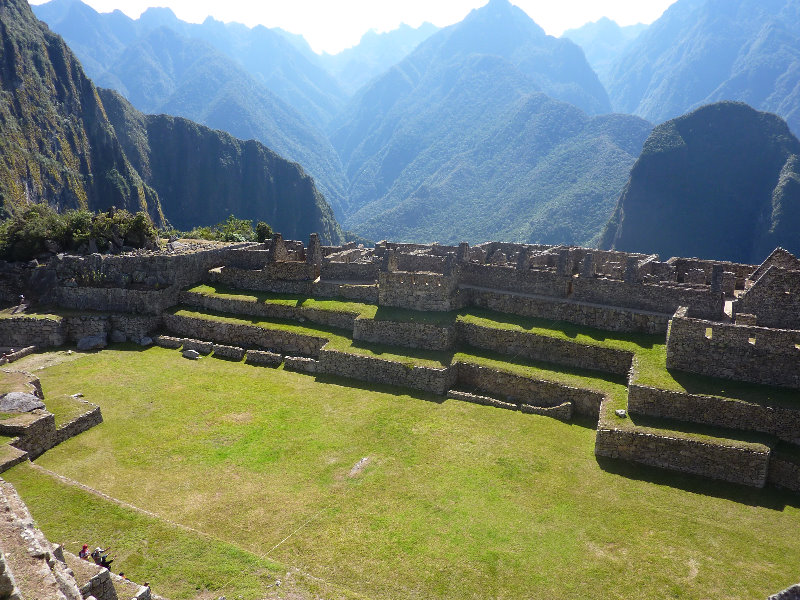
x=66, y=143
x=55, y=139
x=603, y=42
x=702, y=51
x=459, y=142
x=722, y=182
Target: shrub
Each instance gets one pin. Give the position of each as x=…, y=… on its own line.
x=263, y=232
x=39, y=228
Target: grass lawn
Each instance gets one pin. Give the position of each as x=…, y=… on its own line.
x=455, y=500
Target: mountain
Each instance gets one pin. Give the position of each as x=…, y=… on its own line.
x=69, y=144
x=721, y=182
x=458, y=141
x=56, y=141
x=205, y=175
x=374, y=54
x=702, y=51
x=162, y=70
x=99, y=39
x=603, y=42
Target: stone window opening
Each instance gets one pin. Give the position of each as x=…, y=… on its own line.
x=709, y=333
x=752, y=341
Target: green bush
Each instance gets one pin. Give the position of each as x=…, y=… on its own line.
x=230, y=230
x=39, y=228
x=263, y=232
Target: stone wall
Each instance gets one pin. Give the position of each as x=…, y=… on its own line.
x=35, y=431
x=378, y=370
x=784, y=473
x=745, y=466
x=341, y=271
x=406, y=334
x=358, y=293
x=114, y=299
x=739, y=352
x=605, y=317
x=528, y=281
x=257, y=281
x=543, y=348
x=421, y=263
x=779, y=421
x=418, y=291
x=151, y=270
x=79, y=424
x=22, y=331
x=684, y=265
x=524, y=390
x=328, y=318
x=774, y=299
x=661, y=297
x=237, y=334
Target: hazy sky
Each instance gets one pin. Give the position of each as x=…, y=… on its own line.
x=332, y=25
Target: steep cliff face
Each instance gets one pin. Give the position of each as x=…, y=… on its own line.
x=67, y=143
x=55, y=139
x=203, y=175
x=721, y=182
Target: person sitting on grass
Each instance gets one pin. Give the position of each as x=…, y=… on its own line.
x=100, y=558
x=84, y=553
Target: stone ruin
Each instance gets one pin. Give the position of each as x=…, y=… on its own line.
x=720, y=319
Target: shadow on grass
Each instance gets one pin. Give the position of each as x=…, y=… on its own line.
x=541, y=365
x=763, y=395
x=570, y=330
x=405, y=315
x=441, y=357
x=770, y=498
x=382, y=388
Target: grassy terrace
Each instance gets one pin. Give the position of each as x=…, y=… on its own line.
x=650, y=350
x=455, y=500
x=338, y=339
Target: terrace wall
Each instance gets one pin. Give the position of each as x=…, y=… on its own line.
x=114, y=299
x=406, y=334
x=609, y=318
x=259, y=281
x=236, y=334
x=328, y=318
x=544, y=348
x=22, y=331
x=524, y=390
x=660, y=298
x=358, y=293
x=340, y=271
x=378, y=370
x=739, y=352
x=784, y=473
x=779, y=421
x=528, y=281
x=745, y=466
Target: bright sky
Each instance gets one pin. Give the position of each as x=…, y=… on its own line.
x=332, y=25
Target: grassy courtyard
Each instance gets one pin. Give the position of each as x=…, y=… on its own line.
x=453, y=500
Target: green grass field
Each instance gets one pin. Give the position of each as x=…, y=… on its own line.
x=455, y=500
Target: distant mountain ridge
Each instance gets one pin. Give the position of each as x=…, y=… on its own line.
x=463, y=140
x=703, y=51
x=74, y=146
x=722, y=182
x=374, y=54
x=161, y=70
x=603, y=42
